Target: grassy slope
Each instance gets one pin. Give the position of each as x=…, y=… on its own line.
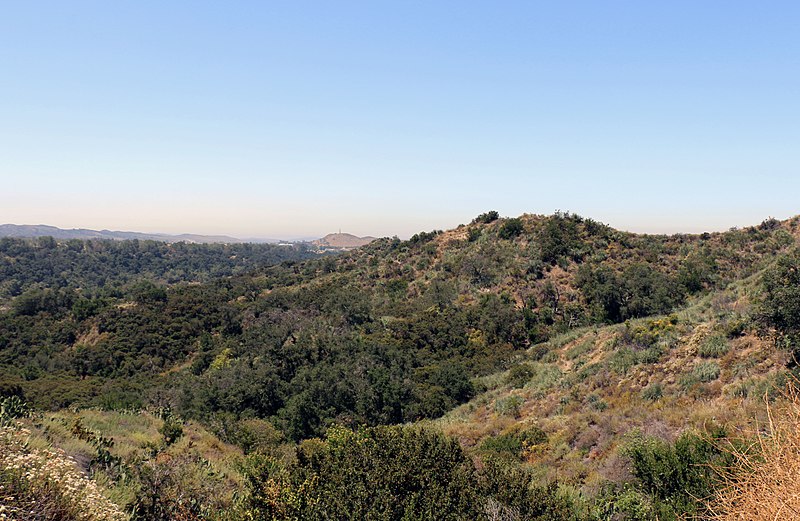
x=198, y=463
x=597, y=385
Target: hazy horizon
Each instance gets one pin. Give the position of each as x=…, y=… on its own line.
x=278, y=236
x=286, y=120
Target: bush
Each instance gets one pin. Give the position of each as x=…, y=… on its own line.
x=11, y=408
x=509, y=406
x=676, y=475
x=519, y=375
x=256, y=435
x=653, y=392
x=394, y=473
x=596, y=403
x=580, y=349
x=703, y=372
x=781, y=306
x=762, y=484
x=516, y=443
x=560, y=238
x=622, y=502
x=171, y=429
x=486, y=218
x=380, y=473
x=706, y=371
x=638, y=291
x=714, y=347
x=511, y=228
x=181, y=487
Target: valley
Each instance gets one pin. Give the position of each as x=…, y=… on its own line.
x=537, y=367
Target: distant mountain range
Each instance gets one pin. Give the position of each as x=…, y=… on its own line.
x=342, y=241
x=41, y=230
x=332, y=241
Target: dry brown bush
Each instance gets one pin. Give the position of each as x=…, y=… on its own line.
x=762, y=483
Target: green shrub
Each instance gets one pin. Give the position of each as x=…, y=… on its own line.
x=650, y=333
x=735, y=326
x=171, y=430
x=545, y=377
x=596, y=403
x=687, y=381
x=677, y=475
x=579, y=350
x=256, y=435
x=781, y=306
x=486, y=218
x=622, y=360
x=653, y=392
x=713, y=347
x=509, y=406
x=588, y=370
x=651, y=355
x=520, y=374
x=11, y=408
x=703, y=372
x=181, y=487
x=511, y=228
x=393, y=473
x=622, y=502
x=514, y=443
x=706, y=371
x=559, y=238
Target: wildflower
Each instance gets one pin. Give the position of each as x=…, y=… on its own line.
x=47, y=475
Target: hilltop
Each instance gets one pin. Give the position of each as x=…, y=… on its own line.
x=342, y=241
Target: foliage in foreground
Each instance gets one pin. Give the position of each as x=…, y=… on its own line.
x=762, y=483
x=678, y=477
x=394, y=473
x=37, y=484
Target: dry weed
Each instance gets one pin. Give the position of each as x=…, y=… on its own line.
x=762, y=483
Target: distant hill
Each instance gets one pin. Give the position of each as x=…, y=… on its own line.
x=342, y=241
x=41, y=230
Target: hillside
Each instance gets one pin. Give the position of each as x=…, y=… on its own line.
x=97, y=266
x=587, y=391
x=341, y=241
x=554, y=345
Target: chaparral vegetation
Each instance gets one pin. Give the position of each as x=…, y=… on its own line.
x=528, y=368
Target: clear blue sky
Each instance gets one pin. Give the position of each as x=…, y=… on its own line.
x=294, y=118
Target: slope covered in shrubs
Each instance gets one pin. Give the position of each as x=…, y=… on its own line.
x=552, y=345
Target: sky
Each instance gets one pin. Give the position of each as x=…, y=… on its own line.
x=295, y=118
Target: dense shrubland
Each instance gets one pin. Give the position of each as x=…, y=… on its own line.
x=556, y=336
x=101, y=267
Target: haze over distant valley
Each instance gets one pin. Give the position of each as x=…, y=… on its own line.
x=333, y=241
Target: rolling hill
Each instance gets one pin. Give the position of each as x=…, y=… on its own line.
x=41, y=230
x=341, y=241
x=559, y=352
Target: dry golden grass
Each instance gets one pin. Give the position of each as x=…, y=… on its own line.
x=762, y=484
